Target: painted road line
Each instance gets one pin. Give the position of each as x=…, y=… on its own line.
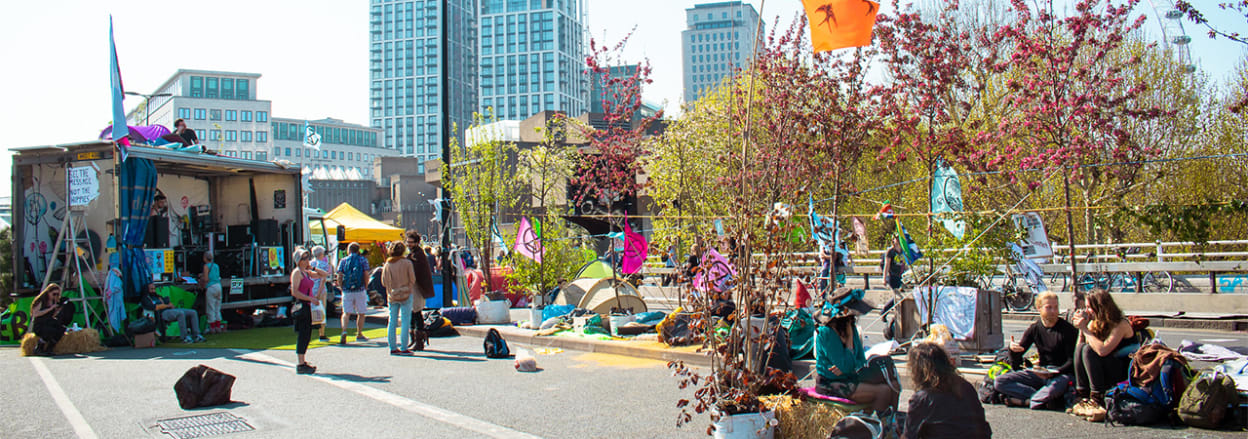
x=426, y=410
x=72, y=414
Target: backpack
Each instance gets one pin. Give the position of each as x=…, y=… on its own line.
x=1207, y=400
x=374, y=282
x=203, y=386
x=1130, y=404
x=495, y=346
x=866, y=425
x=352, y=269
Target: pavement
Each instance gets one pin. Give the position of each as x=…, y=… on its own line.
x=585, y=389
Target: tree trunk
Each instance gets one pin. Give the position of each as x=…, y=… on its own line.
x=1070, y=238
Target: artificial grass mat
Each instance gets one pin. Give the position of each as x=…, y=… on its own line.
x=279, y=338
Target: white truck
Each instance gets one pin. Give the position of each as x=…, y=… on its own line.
x=249, y=213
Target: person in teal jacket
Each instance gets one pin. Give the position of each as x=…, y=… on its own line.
x=839, y=355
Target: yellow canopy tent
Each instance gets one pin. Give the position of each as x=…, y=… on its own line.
x=360, y=227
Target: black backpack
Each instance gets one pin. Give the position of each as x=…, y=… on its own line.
x=495, y=346
x=203, y=386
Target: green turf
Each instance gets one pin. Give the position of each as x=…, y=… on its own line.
x=280, y=338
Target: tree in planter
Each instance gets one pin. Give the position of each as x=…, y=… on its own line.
x=482, y=183
x=546, y=169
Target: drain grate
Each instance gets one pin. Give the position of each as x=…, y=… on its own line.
x=212, y=424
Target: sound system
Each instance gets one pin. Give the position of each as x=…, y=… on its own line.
x=233, y=263
x=268, y=232
x=238, y=236
x=157, y=232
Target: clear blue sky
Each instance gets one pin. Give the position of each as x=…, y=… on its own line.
x=312, y=55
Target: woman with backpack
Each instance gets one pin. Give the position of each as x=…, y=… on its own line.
x=1098, y=364
x=944, y=404
x=399, y=280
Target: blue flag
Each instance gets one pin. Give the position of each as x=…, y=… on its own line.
x=822, y=229
x=497, y=237
x=121, y=133
x=908, y=248
x=947, y=199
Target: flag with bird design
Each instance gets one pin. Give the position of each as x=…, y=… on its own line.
x=837, y=24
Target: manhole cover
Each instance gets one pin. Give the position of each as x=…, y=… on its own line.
x=212, y=424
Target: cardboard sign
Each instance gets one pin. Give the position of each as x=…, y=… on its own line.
x=83, y=184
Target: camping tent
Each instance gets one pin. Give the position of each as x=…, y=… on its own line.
x=599, y=295
x=360, y=227
x=596, y=269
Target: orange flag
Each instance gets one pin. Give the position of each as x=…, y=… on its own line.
x=837, y=24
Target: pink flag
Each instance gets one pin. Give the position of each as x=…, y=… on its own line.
x=528, y=242
x=635, y=250
x=715, y=274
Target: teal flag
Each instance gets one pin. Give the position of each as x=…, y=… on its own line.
x=947, y=199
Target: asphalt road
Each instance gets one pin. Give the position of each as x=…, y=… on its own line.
x=450, y=391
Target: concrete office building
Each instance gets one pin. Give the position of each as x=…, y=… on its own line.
x=719, y=38
x=344, y=146
x=220, y=106
x=532, y=58
x=405, y=59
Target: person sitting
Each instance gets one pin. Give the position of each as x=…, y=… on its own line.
x=1054, y=339
x=188, y=319
x=944, y=404
x=1098, y=363
x=50, y=313
x=840, y=358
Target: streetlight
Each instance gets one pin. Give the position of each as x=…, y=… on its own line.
x=147, y=99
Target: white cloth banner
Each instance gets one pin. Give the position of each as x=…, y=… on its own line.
x=955, y=308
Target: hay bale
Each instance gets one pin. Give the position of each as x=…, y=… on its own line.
x=29, y=342
x=801, y=419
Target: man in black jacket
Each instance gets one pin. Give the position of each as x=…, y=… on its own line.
x=1055, y=340
x=424, y=284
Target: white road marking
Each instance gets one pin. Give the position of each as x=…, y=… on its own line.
x=426, y=410
x=72, y=414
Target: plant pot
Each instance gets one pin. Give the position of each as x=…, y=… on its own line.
x=744, y=425
x=535, y=317
x=618, y=320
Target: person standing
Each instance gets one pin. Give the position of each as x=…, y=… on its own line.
x=397, y=275
x=423, y=274
x=321, y=286
x=301, y=288
x=211, y=278
x=353, y=277
x=894, y=265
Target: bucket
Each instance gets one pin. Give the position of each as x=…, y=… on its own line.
x=751, y=425
x=535, y=317
x=493, y=311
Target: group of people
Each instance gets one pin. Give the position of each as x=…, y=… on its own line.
x=1092, y=350
x=405, y=275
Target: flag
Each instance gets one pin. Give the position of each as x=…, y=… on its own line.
x=121, y=132
x=497, y=237
x=310, y=138
x=947, y=199
x=437, y=209
x=528, y=242
x=885, y=212
x=908, y=248
x=837, y=24
x=823, y=230
x=635, y=250
x=861, y=246
x=715, y=273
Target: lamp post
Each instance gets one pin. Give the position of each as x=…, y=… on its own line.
x=147, y=99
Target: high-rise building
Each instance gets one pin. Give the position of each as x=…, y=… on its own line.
x=532, y=57
x=405, y=70
x=601, y=91
x=719, y=38
x=220, y=106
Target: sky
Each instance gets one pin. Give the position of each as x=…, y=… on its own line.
x=312, y=55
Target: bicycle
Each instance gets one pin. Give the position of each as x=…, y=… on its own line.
x=1128, y=282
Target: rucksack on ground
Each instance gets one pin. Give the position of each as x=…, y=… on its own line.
x=1131, y=404
x=1208, y=400
x=495, y=346
x=203, y=386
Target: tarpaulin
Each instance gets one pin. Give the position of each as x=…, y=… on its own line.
x=136, y=191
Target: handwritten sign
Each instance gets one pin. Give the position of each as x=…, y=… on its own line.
x=236, y=286
x=83, y=184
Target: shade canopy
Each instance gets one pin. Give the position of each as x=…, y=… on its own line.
x=360, y=227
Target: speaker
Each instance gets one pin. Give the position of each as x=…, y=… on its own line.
x=238, y=236
x=268, y=232
x=157, y=232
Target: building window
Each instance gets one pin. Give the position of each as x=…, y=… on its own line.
x=244, y=136
x=246, y=116
x=197, y=86
x=227, y=88
x=298, y=153
x=214, y=115
x=262, y=156
x=263, y=137
x=184, y=113
x=212, y=88
x=262, y=116
x=247, y=155
x=231, y=115
x=241, y=89
x=214, y=135
x=287, y=152
x=231, y=136
x=201, y=114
